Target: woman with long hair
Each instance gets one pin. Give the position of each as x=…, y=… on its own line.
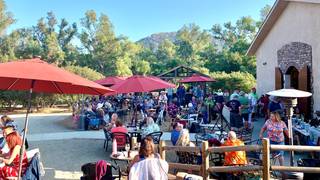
x=184, y=139
x=11, y=163
x=276, y=129
x=146, y=151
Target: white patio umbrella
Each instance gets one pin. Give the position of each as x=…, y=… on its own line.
x=289, y=99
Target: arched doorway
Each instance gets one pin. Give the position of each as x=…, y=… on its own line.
x=295, y=71
x=291, y=79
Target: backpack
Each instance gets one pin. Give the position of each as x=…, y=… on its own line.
x=89, y=172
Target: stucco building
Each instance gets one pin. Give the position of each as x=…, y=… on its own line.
x=287, y=48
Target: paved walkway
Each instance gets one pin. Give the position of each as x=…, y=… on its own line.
x=98, y=135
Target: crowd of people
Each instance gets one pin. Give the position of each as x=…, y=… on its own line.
x=244, y=108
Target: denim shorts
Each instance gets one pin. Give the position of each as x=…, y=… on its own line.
x=274, y=153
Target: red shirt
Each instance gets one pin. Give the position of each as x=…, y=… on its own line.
x=119, y=129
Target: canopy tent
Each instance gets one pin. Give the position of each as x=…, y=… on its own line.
x=139, y=83
x=36, y=75
x=179, y=72
x=110, y=81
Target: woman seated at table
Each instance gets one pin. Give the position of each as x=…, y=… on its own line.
x=177, y=127
x=112, y=123
x=186, y=157
x=119, y=128
x=11, y=163
x=146, y=151
x=150, y=128
x=184, y=139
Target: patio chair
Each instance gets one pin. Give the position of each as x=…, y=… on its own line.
x=156, y=136
x=254, y=157
x=193, y=116
x=244, y=135
x=108, y=138
x=122, y=140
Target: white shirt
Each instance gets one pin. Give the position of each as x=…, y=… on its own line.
x=163, y=99
x=149, y=169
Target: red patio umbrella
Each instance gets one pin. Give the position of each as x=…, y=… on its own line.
x=111, y=80
x=19, y=75
x=139, y=83
x=39, y=76
x=197, y=78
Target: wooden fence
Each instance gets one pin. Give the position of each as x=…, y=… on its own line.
x=266, y=167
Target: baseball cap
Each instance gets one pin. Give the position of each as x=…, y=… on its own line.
x=10, y=124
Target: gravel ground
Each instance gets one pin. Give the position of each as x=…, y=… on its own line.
x=47, y=123
x=62, y=159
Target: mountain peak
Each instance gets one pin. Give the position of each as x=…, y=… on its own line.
x=154, y=40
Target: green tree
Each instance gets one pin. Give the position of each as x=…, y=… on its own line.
x=85, y=72
x=141, y=67
x=101, y=47
x=263, y=14
x=190, y=41
x=8, y=44
x=46, y=36
x=65, y=35
x=27, y=46
x=234, y=80
x=235, y=41
x=6, y=18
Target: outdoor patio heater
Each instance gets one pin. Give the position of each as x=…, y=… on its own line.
x=289, y=99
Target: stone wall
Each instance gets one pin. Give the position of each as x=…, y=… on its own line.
x=295, y=54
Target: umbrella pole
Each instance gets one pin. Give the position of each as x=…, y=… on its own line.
x=25, y=130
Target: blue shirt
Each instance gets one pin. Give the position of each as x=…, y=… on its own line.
x=175, y=136
x=273, y=106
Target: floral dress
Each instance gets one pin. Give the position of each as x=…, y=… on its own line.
x=275, y=130
x=13, y=169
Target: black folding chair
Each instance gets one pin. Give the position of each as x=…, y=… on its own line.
x=156, y=136
x=108, y=138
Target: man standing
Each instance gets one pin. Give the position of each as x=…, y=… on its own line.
x=244, y=101
x=170, y=94
x=181, y=92
x=210, y=103
x=235, y=109
x=253, y=99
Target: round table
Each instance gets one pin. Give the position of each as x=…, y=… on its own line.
x=123, y=156
x=134, y=133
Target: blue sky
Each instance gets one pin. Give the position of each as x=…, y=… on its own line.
x=139, y=18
